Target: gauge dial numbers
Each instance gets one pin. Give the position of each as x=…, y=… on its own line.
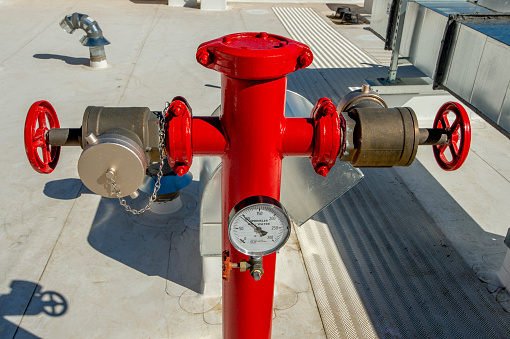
x=258, y=226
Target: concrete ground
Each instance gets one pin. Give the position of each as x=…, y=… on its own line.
x=75, y=265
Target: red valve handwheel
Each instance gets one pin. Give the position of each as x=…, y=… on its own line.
x=459, y=136
x=40, y=115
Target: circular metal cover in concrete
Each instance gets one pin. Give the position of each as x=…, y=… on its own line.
x=122, y=154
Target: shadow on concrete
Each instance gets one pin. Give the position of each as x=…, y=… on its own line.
x=15, y=304
x=65, y=189
x=67, y=59
x=410, y=278
x=164, y=245
x=150, y=2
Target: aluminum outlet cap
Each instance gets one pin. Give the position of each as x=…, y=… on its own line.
x=116, y=152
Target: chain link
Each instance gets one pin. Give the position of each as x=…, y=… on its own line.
x=157, y=185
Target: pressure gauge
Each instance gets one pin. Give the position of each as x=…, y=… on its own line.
x=258, y=226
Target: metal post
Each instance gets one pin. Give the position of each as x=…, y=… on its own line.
x=251, y=166
x=398, y=21
x=253, y=68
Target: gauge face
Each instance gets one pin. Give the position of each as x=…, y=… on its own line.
x=258, y=226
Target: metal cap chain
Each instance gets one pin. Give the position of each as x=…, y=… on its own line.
x=157, y=185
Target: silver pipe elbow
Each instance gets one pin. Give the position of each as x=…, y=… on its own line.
x=94, y=38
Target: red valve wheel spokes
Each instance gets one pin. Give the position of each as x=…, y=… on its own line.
x=459, y=136
x=40, y=115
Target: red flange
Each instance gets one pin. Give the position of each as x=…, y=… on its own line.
x=178, y=136
x=459, y=136
x=254, y=56
x=40, y=119
x=327, y=136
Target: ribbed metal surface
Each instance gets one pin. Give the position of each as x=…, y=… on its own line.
x=379, y=54
x=331, y=49
x=311, y=84
x=342, y=310
x=406, y=276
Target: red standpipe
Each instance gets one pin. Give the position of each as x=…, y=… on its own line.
x=252, y=135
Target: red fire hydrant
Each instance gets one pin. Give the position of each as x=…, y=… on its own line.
x=252, y=135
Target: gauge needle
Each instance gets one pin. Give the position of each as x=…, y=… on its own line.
x=257, y=228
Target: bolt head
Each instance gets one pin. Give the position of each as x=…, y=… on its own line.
x=257, y=275
x=204, y=57
x=329, y=109
x=176, y=108
x=305, y=59
x=323, y=170
x=110, y=173
x=181, y=170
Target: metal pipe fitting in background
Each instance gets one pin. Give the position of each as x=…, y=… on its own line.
x=94, y=39
x=382, y=137
x=378, y=136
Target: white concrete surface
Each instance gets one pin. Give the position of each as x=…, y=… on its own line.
x=213, y=5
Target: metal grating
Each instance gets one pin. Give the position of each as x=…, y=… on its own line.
x=410, y=280
x=330, y=48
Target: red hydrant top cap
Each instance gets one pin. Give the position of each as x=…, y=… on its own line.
x=260, y=41
x=254, y=56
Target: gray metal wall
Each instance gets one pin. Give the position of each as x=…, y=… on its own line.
x=380, y=16
x=477, y=67
x=479, y=72
x=496, y=5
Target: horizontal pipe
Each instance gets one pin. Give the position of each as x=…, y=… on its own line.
x=433, y=136
x=64, y=137
x=207, y=136
x=298, y=137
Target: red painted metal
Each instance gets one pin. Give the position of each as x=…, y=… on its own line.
x=178, y=137
x=256, y=137
x=251, y=166
x=328, y=136
x=40, y=115
x=459, y=136
x=208, y=136
x=298, y=137
x=254, y=56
